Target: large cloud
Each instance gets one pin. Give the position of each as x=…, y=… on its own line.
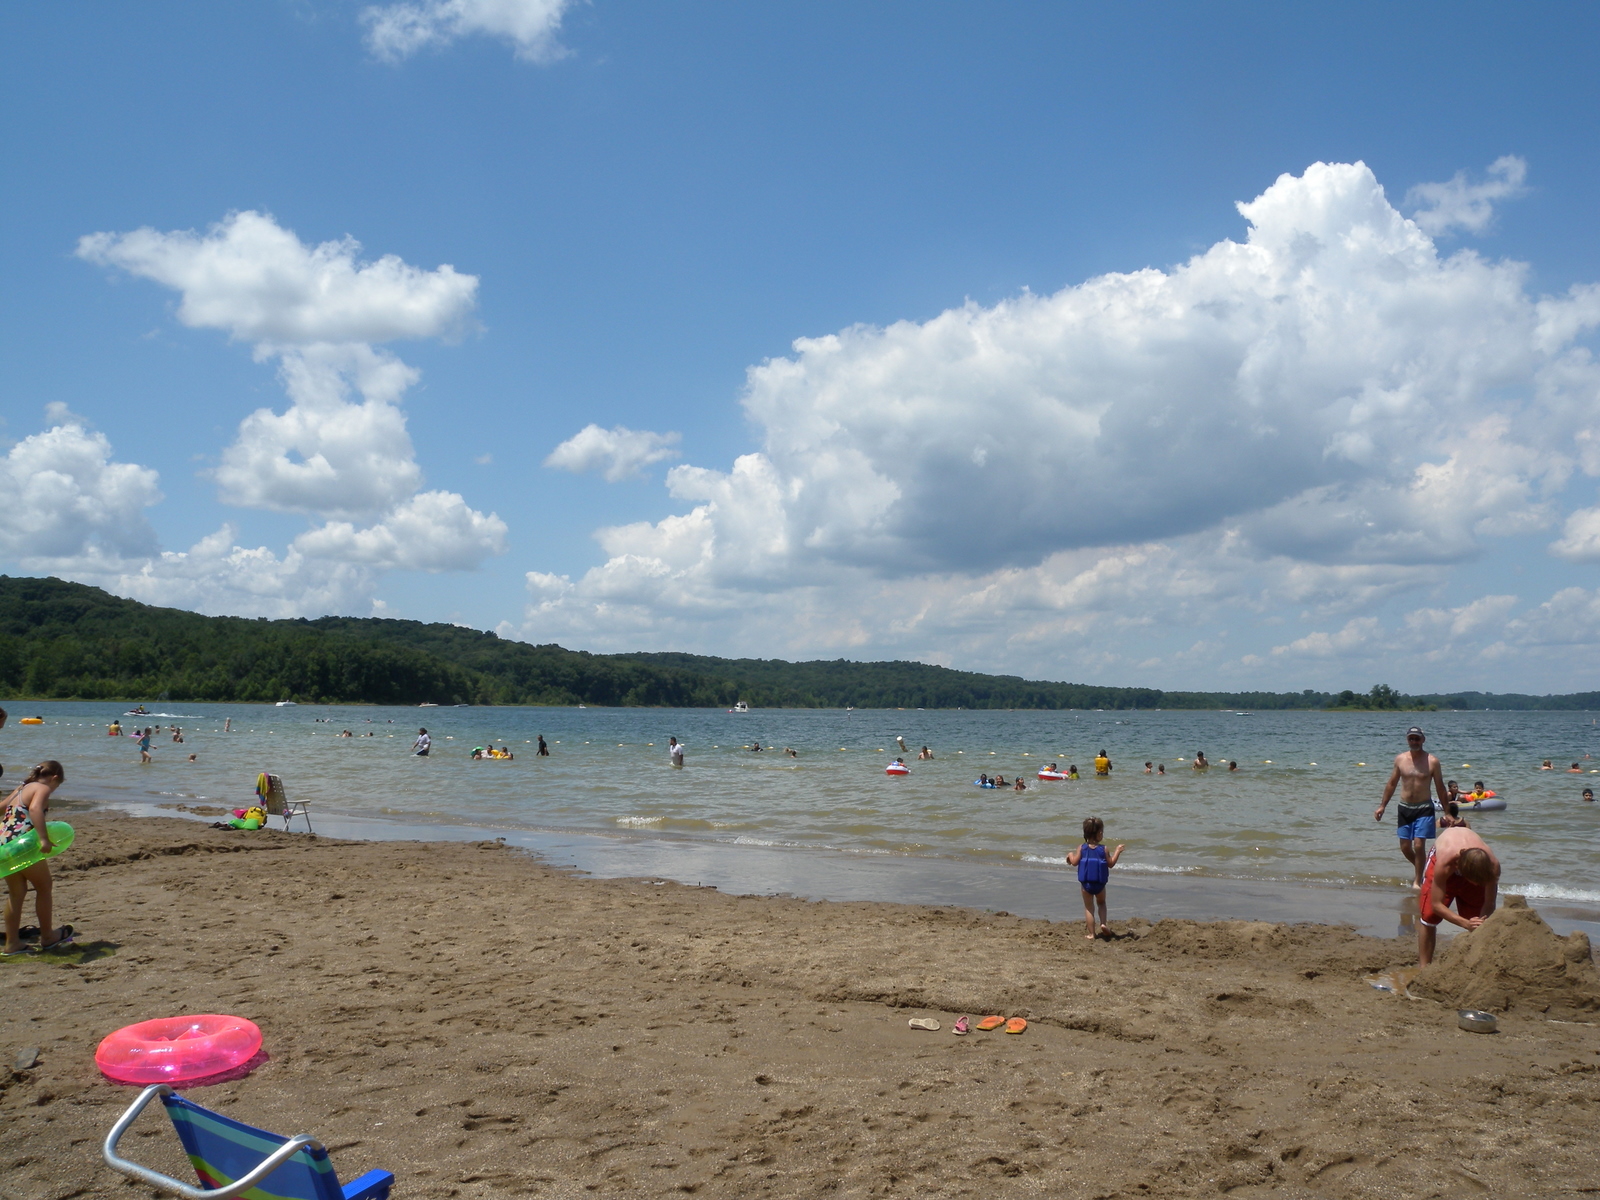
x=1324, y=414
x=325, y=454
x=67, y=500
x=397, y=31
x=261, y=283
x=317, y=310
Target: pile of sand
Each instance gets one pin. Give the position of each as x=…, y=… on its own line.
x=1514, y=961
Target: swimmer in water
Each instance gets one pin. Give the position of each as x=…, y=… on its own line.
x=1072, y=771
x=1161, y=769
x=1574, y=769
x=1200, y=763
x=983, y=781
x=1232, y=765
x=1148, y=769
x=1547, y=766
x=1588, y=794
x=926, y=754
x=1102, y=764
x=1019, y=786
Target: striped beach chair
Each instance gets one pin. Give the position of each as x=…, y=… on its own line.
x=234, y=1159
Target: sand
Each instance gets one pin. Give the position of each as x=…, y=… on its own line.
x=484, y=1026
x=1515, y=961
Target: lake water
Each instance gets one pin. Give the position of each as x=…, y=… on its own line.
x=1298, y=811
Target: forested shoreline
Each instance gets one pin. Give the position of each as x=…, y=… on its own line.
x=61, y=640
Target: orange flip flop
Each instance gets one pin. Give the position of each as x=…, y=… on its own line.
x=988, y=1023
x=1016, y=1025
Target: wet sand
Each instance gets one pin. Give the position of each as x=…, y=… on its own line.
x=485, y=1025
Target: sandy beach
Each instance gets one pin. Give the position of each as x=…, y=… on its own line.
x=484, y=1025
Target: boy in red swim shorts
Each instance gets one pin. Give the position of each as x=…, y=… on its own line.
x=1463, y=871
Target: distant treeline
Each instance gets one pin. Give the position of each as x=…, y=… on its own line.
x=62, y=640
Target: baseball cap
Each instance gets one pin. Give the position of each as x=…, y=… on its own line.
x=1415, y=731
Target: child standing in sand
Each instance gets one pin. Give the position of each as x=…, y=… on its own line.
x=1094, y=870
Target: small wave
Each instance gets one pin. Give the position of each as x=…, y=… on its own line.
x=637, y=822
x=1147, y=868
x=745, y=839
x=1546, y=891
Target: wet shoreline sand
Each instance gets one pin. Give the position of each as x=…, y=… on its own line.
x=485, y=1024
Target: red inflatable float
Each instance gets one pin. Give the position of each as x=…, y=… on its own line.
x=177, y=1049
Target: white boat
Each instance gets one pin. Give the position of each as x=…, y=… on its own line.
x=740, y=707
x=427, y=704
x=286, y=704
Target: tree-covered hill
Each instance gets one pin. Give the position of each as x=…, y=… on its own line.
x=68, y=641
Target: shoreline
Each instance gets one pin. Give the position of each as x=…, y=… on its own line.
x=484, y=1024
x=1032, y=890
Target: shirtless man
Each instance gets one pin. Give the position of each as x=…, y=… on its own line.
x=1413, y=770
x=1463, y=871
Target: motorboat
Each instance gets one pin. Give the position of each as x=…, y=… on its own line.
x=740, y=707
x=287, y=704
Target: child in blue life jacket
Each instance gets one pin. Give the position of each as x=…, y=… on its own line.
x=1094, y=865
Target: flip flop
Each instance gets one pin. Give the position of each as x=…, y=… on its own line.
x=988, y=1023
x=927, y=1023
x=1016, y=1025
x=64, y=940
x=960, y=1027
x=17, y=953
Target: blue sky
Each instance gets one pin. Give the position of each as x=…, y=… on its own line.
x=1083, y=474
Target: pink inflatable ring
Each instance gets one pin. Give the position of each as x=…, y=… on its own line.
x=177, y=1049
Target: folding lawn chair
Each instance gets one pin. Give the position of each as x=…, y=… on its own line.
x=233, y=1159
x=277, y=803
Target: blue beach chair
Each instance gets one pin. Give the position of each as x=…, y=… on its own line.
x=233, y=1159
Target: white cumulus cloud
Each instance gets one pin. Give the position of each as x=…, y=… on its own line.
x=1326, y=414
x=397, y=31
x=1580, y=539
x=1458, y=204
x=340, y=453
x=261, y=283
x=325, y=454
x=432, y=531
x=617, y=453
x=67, y=500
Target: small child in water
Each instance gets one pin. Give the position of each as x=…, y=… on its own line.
x=1094, y=870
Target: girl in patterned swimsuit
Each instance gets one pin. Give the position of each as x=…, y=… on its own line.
x=25, y=810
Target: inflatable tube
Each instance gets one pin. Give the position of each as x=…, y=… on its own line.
x=892, y=769
x=177, y=1049
x=1480, y=805
x=1052, y=775
x=21, y=853
x=31, y=721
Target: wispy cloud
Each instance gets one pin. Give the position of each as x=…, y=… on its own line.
x=1459, y=204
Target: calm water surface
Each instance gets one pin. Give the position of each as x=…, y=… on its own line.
x=1298, y=810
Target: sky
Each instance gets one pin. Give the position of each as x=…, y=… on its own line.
x=1236, y=346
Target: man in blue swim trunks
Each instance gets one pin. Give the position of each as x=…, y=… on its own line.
x=1414, y=770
